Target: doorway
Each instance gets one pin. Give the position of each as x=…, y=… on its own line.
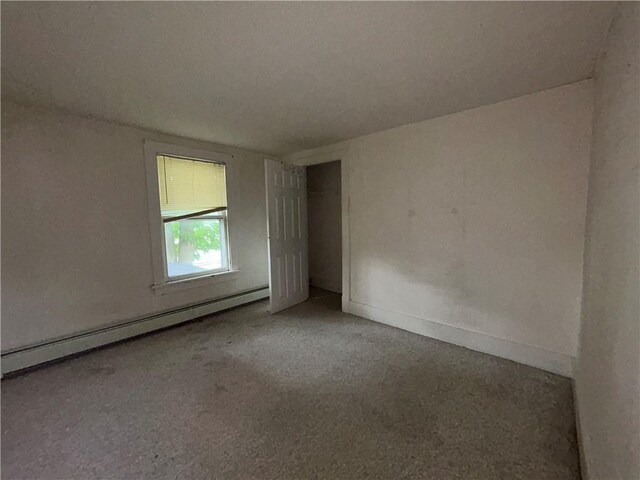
x=324, y=214
x=295, y=233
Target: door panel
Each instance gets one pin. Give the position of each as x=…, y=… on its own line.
x=287, y=226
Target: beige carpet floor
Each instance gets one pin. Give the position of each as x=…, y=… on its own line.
x=309, y=393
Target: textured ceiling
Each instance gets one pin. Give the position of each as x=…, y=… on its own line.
x=282, y=77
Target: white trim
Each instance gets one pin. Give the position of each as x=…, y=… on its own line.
x=518, y=352
x=327, y=154
x=160, y=277
x=195, y=282
x=34, y=355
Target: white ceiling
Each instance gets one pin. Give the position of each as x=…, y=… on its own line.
x=283, y=77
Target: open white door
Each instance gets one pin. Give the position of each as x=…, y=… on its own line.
x=287, y=232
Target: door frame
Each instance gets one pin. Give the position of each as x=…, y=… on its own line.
x=328, y=154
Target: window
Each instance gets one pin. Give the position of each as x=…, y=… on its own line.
x=193, y=204
x=189, y=212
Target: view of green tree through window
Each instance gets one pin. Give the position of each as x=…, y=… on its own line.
x=193, y=205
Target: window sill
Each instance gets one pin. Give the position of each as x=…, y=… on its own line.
x=194, y=282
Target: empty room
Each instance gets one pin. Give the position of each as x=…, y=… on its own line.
x=320, y=240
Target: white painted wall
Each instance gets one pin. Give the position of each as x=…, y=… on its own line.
x=608, y=369
x=324, y=209
x=76, y=252
x=474, y=221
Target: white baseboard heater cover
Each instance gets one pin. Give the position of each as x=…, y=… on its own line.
x=24, y=357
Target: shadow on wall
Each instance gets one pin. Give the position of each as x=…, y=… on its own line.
x=482, y=295
x=476, y=220
x=484, y=267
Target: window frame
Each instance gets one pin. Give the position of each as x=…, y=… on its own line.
x=162, y=282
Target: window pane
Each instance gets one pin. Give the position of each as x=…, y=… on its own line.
x=195, y=246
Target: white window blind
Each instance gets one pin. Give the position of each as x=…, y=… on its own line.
x=189, y=186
